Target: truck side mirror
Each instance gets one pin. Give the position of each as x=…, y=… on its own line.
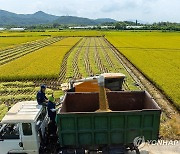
x=20, y=144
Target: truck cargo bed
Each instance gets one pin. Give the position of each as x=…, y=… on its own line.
x=133, y=114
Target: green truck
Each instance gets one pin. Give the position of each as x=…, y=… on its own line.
x=134, y=114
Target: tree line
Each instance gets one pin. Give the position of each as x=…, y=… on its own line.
x=122, y=25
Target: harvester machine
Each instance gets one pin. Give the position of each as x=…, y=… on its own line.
x=112, y=82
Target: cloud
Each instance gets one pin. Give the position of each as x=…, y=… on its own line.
x=120, y=5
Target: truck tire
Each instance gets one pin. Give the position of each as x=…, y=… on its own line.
x=68, y=151
x=80, y=151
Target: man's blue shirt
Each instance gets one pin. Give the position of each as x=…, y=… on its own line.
x=41, y=97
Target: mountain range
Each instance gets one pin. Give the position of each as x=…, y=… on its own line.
x=40, y=17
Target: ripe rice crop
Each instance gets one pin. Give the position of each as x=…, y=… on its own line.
x=15, y=52
x=52, y=33
x=11, y=41
x=43, y=63
x=156, y=54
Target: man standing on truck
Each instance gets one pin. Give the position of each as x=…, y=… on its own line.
x=41, y=96
x=52, y=114
x=52, y=108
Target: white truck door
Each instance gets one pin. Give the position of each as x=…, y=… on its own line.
x=29, y=138
x=10, y=138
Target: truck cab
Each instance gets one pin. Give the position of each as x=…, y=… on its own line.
x=23, y=128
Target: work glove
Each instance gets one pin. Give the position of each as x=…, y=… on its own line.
x=53, y=110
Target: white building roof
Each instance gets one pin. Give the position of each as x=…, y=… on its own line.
x=104, y=27
x=128, y=27
x=82, y=27
x=17, y=29
x=26, y=111
x=2, y=29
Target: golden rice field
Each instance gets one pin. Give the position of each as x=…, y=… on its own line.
x=11, y=41
x=40, y=64
x=53, y=33
x=59, y=55
x=156, y=54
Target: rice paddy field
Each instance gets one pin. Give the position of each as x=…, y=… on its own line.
x=11, y=41
x=28, y=59
x=156, y=54
x=43, y=63
x=51, y=33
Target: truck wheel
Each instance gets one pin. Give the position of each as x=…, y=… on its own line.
x=80, y=151
x=68, y=152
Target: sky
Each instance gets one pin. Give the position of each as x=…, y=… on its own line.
x=143, y=10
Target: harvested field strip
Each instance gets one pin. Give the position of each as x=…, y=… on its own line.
x=86, y=59
x=11, y=42
x=72, y=67
x=14, y=53
x=91, y=57
x=27, y=44
x=106, y=54
x=81, y=63
x=94, y=56
x=104, y=57
x=98, y=62
x=24, y=46
x=77, y=73
x=41, y=64
x=63, y=70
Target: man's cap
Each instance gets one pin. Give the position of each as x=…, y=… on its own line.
x=43, y=86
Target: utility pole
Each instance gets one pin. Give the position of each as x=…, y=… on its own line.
x=136, y=22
